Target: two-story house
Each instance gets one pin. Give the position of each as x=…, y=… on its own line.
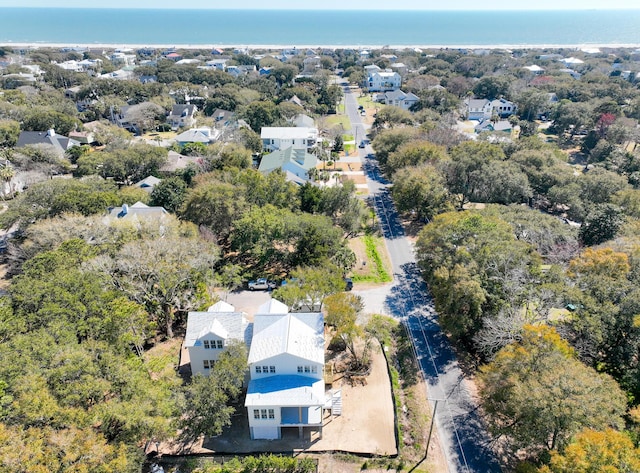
x=208, y=333
x=275, y=138
x=286, y=363
x=398, y=98
x=382, y=81
x=483, y=109
x=182, y=116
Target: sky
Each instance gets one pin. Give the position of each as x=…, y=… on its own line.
x=335, y=4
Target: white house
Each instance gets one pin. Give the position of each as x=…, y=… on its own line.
x=383, y=81
x=286, y=363
x=275, y=138
x=398, y=98
x=483, y=109
x=204, y=135
x=208, y=333
x=479, y=109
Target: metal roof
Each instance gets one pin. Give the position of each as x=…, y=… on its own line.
x=285, y=391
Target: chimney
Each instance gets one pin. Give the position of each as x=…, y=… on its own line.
x=51, y=132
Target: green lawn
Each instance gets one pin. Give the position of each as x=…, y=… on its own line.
x=367, y=102
x=333, y=120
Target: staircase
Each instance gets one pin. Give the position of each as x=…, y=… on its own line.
x=336, y=403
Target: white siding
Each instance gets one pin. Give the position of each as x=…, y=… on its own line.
x=286, y=364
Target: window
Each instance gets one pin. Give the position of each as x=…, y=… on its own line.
x=314, y=369
x=264, y=413
x=256, y=413
x=219, y=344
x=299, y=369
x=206, y=344
x=265, y=369
x=208, y=364
x=307, y=369
x=272, y=414
x=272, y=369
x=258, y=369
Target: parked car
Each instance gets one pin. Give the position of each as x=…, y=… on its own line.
x=261, y=284
x=362, y=144
x=348, y=284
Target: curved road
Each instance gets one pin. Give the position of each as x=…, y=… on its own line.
x=464, y=439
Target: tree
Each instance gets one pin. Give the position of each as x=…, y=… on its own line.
x=593, y=451
x=421, y=191
x=492, y=87
x=388, y=141
x=166, y=274
x=313, y=285
x=169, y=193
x=538, y=395
x=216, y=205
x=9, y=133
x=415, y=153
x=55, y=197
x=601, y=224
x=500, y=182
x=464, y=171
x=474, y=266
x=260, y=114
x=343, y=309
x=207, y=399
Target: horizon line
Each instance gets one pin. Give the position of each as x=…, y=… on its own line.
x=326, y=9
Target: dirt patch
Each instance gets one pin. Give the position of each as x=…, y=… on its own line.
x=357, y=178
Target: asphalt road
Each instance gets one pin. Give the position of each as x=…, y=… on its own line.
x=462, y=434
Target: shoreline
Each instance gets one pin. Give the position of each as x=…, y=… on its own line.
x=50, y=45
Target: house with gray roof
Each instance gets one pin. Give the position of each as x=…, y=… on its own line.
x=137, y=211
x=398, y=98
x=208, y=333
x=60, y=144
x=148, y=183
x=182, y=115
x=204, y=135
x=286, y=366
x=296, y=162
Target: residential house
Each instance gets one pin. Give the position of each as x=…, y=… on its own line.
x=275, y=138
x=208, y=333
x=187, y=62
x=182, y=115
x=400, y=68
x=223, y=118
x=371, y=68
x=576, y=75
x=136, y=211
x=218, y=64
x=177, y=162
x=148, y=183
x=204, y=135
x=296, y=163
x=304, y=121
x=398, y=98
x=123, y=57
x=241, y=70
x=84, y=137
x=488, y=125
x=483, y=109
x=286, y=364
x=120, y=74
x=479, y=109
x=383, y=81
x=535, y=69
x=60, y=144
x=571, y=62
x=503, y=108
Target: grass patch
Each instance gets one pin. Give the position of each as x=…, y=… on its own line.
x=334, y=120
x=346, y=138
x=367, y=102
x=377, y=273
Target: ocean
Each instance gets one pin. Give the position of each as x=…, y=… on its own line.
x=319, y=28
